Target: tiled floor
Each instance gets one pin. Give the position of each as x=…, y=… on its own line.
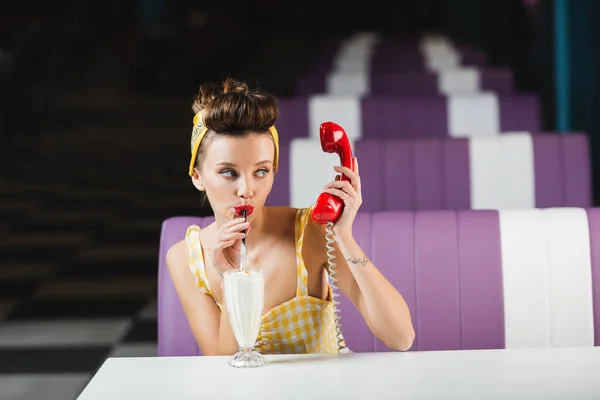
x=79, y=243
x=56, y=331
x=63, y=314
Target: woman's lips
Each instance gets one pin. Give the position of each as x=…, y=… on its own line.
x=249, y=209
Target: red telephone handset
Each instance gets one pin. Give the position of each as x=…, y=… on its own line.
x=333, y=140
x=328, y=208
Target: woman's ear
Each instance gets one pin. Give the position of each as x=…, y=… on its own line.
x=197, y=181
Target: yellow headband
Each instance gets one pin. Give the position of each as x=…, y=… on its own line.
x=200, y=130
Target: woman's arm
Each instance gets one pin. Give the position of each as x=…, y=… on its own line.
x=381, y=305
x=210, y=327
x=383, y=308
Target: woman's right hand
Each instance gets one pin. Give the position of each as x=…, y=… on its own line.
x=225, y=254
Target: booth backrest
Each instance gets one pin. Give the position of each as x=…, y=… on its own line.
x=473, y=279
x=174, y=335
x=353, y=66
x=412, y=83
x=511, y=171
x=457, y=115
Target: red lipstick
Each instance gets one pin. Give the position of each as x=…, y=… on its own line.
x=244, y=207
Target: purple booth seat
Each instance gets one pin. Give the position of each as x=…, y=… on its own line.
x=498, y=80
x=502, y=172
x=391, y=56
x=293, y=118
x=422, y=116
x=410, y=116
x=473, y=279
x=508, y=171
x=174, y=335
x=412, y=83
x=471, y=56
x=331, y=52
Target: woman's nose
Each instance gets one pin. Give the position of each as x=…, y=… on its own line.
x=246, y=189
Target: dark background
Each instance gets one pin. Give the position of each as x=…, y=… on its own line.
x=124, y=66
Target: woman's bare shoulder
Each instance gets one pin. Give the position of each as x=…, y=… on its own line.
x=177, y=255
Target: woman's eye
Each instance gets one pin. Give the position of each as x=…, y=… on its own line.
x=229, y=173
x=262, y=172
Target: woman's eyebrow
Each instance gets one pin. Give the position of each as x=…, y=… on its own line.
x=264, y=162
x=230, y=164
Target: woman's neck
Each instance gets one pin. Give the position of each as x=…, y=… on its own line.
x=258, y=227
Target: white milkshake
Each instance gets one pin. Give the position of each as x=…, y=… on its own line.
x=244, y=296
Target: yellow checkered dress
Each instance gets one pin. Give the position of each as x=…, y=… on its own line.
x=304, y=324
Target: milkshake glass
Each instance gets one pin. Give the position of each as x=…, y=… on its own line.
x=244, y=296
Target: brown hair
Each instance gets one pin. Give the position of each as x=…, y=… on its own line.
x=233, y=109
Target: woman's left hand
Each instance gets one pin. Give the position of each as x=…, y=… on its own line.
x=350, y=193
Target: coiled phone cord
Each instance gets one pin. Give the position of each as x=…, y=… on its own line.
x=330, y=240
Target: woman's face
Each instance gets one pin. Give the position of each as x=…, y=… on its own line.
x=237, y=170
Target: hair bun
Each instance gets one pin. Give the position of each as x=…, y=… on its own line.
x=233, y=86
x=234, y=107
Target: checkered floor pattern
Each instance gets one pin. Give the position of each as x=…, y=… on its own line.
x=80, y=218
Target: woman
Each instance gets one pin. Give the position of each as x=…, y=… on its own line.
x=233, y=163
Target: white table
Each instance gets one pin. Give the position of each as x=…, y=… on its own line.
x=559, y=373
